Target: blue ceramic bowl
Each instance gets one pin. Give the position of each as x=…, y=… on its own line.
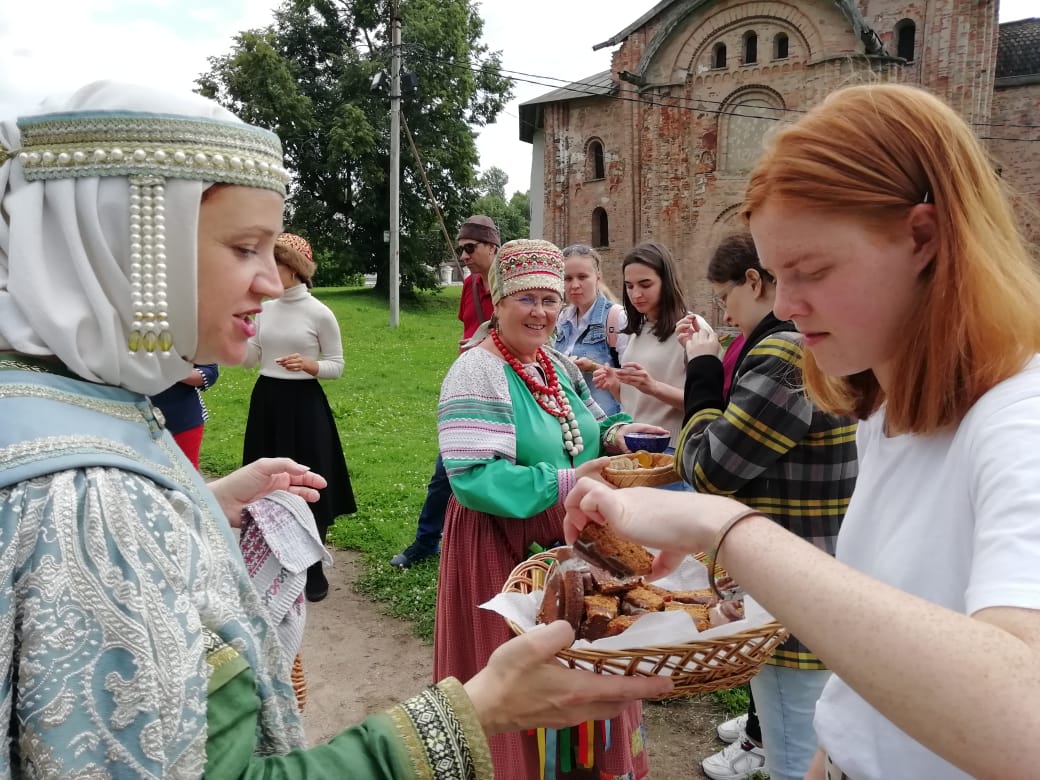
x=651, y=442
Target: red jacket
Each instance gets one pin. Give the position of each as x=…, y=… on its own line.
x=469, y=316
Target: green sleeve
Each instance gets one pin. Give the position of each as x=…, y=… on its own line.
x=531, y=489
x=506, y=489
x=503, y=453
x=400, y=744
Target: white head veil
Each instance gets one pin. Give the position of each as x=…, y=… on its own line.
x=65, y=248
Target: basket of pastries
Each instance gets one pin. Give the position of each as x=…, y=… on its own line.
x=640, y=469
x=599, y=586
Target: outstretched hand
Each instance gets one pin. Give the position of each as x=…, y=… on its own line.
x=593, y=469
x=635, y=427
x=675, y=523
x=523, y=686
x=257, y=479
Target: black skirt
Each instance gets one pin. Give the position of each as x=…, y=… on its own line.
x=291, y=418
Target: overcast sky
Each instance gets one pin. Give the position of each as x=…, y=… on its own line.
x=48, y=47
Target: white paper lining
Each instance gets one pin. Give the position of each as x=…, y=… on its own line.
x=654, y=629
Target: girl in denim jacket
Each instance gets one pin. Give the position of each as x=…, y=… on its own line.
x=589, y=328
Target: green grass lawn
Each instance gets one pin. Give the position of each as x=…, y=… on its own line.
x=385, y=406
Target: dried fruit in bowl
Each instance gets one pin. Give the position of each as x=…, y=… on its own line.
x=644, y=459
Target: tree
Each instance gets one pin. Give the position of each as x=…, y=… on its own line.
x=493, y=182
x=309, y=77
x=513, y=217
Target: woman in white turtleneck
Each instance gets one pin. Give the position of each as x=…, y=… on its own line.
x=297, y=342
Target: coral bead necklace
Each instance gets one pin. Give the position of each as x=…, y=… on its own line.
x=550, y=396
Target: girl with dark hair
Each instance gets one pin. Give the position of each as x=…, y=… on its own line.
x=653, y=367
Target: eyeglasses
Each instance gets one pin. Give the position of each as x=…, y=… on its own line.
x=550, y=303
x=470, y=248
x=720, y=299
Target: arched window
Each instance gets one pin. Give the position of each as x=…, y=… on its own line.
x=596, y=168
x=781, y=44
x=906, y=39
x=750, y=48
x=746, y=118
x=718, y=56
x=600, y=229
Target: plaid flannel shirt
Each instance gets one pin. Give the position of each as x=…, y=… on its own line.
x=769, y=446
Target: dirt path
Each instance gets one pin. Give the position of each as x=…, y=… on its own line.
x=359, y=661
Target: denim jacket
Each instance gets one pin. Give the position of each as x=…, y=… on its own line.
x=593, y=344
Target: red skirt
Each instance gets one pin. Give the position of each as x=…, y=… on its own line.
x=478, y=553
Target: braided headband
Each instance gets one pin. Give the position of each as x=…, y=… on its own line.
x=148, y=148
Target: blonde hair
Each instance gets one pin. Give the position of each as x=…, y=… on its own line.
x=584, y=250
x=607, y=292
x=872, y=153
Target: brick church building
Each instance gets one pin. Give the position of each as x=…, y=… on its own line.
x=660, y=145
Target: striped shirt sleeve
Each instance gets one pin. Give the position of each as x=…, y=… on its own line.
x=720, y=450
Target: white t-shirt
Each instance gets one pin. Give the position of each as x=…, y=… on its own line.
x=953, y=518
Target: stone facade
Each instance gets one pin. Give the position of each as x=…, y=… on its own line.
x=660, y=145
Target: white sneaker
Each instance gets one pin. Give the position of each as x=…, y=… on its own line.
x=735, y=762
x=732, y=729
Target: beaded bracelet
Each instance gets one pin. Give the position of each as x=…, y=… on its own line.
x=712, y=559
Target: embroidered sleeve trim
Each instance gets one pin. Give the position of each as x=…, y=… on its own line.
x=442, y=734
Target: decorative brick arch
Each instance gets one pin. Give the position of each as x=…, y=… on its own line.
x=776, y=13
x=703, y=37
x=745, y=116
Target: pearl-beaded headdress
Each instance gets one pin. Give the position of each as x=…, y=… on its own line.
x=148, y=149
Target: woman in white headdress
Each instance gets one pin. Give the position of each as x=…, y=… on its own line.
x=134, y=643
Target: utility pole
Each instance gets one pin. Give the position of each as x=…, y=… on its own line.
x=395, y=163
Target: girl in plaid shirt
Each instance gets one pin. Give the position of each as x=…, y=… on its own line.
x=769, y=446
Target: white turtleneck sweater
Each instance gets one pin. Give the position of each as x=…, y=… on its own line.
x=296, y=322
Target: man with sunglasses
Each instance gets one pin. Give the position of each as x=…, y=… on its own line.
x=477, y=243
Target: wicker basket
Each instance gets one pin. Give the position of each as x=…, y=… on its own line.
x=661, y=473
x=299, y=682
x=695, y=667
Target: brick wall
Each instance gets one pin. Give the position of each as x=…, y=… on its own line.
x=676, y=155
x=1019, y=160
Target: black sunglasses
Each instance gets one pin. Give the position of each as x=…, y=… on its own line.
x=470, y=248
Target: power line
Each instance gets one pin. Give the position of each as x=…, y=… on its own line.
x=575, y=86
x=566, y=83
